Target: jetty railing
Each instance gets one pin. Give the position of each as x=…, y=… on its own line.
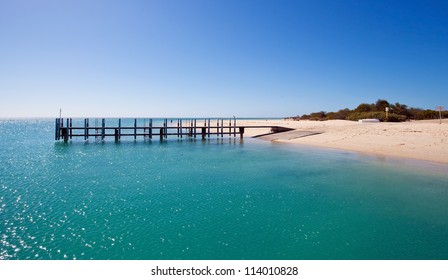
x=189, y=128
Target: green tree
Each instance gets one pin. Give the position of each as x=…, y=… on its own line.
x=400, y=109
x=364, y=107
x=343, y=114
x=381, y=104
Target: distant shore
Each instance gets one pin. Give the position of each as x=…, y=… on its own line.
x=422, y=140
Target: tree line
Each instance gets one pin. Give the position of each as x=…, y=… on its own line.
x=397, y=113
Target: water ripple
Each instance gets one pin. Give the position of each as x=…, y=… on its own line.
x=209, y=200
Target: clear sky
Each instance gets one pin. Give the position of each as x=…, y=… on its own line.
x=211, y=58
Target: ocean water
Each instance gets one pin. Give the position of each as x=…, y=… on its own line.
x=214, y=199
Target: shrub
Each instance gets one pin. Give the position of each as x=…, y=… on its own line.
x=376, y=115
x=398, y=113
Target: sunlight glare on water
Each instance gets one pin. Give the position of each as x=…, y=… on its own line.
x=213, y=199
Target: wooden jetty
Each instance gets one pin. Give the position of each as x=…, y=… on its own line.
x=189, y=128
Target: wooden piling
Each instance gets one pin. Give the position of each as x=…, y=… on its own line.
x=217, y=127
x=241, y=132
x=234, y=127
x=59, y=129
x=135, y=129
x=208, y=128
x=150, y=128
x=181, y=129
x=65, y=134
x=194, y=128
x=87, y=128
x=103, y=129
x=222, y=127
x=96, y=129
x=116, y=135
x=166, y=129
x=71, y=130
x=203, y=133
x=119, y=129
x=56, y=131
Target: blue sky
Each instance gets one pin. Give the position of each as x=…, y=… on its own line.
x=204, y=58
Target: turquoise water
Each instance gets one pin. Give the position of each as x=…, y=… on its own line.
x=217, y=199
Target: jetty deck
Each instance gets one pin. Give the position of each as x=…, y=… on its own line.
x=188, y=128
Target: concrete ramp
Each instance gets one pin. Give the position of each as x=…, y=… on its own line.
x=287, y=135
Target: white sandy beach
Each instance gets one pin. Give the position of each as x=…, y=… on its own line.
x=422, y=140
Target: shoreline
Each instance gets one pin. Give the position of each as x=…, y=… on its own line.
x=425, y=140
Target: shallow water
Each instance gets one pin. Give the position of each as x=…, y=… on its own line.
x=214, y=199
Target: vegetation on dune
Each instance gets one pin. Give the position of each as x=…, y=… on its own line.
x=397, y=113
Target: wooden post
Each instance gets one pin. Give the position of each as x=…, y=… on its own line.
x=234, y=126
x=440, y=109
x=135, y=129
x=119, y=129
x=71, y=128
x=103, y=129
x=56, y=131
x=208, y=128
x=96, y=129
x=203, y=133
x=150, y=128
x=181, y=128
x=65, y=134
x=222, y=127
x=166, y=128
x=161, y=134
x=87, y=128
x=194, y=128
x=116, y=135
x=241, y=132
